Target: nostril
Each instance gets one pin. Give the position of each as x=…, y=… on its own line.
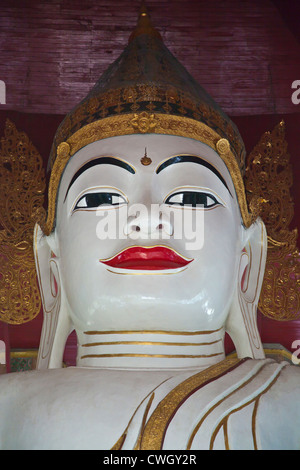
x=136, y=228
x=160, y=226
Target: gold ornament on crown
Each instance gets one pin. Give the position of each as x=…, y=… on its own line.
x=269, y=174
x=22, y=183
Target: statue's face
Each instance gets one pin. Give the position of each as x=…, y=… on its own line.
x=111, y=276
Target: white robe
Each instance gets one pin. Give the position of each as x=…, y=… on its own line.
x=235, y=404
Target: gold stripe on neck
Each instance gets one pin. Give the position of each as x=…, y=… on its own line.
x=148, y=343
x=153, y=332
x=180, y=356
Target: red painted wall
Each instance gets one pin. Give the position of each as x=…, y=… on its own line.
x=243, y=52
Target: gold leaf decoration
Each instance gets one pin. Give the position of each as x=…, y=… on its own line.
x=22, y=182
x=144, y=122
x=269, y=177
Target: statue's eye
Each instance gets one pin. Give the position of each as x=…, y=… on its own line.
x=193, y=199
x=94, y=200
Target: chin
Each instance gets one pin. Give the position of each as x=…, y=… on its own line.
x=149, y=312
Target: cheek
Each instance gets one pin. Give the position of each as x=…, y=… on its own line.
x=216, y=262
x=78, y=247
x=82, y=246
x=219, y=232
x=86, y=232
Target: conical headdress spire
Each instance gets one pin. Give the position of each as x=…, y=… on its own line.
x=144, y=25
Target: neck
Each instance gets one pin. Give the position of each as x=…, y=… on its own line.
x=150, y=349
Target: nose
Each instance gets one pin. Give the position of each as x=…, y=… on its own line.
x=147, y=222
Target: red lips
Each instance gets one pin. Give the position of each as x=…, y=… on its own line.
x=147, y=258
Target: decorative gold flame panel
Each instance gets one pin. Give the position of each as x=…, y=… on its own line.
x=22, y=183
x=269, y=175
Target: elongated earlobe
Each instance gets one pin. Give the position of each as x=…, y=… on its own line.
x=242, y=320
x=56, y=322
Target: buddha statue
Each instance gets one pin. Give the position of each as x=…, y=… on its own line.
x=150, y=252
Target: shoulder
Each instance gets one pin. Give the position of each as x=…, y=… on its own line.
x=237, y=408
x=278, y=411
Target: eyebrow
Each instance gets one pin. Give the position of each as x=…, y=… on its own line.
x=193, y=159
x=100, y=161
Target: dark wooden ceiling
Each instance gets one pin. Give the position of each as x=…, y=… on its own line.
x=245, y=53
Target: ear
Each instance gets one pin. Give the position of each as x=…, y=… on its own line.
x=242, y=320
x=56, y=324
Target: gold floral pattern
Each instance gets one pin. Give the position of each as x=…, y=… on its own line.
x=22, y=183
x=269, y=177
x=142, y=98
x=144, y=122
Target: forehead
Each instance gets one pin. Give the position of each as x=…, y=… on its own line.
x=132, y=148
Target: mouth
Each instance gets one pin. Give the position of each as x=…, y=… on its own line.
x=145, y=258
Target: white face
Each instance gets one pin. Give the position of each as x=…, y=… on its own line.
x=177, y=285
